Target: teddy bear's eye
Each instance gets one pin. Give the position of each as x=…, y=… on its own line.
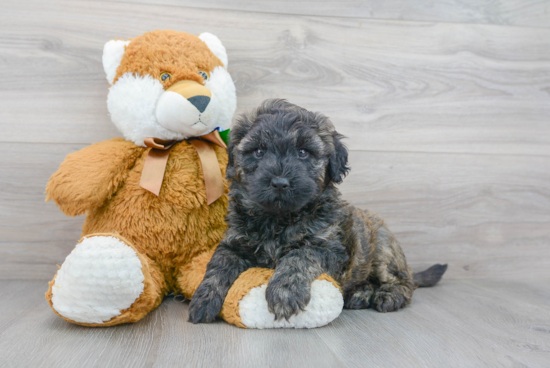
x=204, y=75
x=165, y=76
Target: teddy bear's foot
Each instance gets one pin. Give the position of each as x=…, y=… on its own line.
x=105, y=281
x=246, y=306
x=325, y=305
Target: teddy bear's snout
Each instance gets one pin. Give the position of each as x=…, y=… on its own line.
x=180, y=107
x=200, y=102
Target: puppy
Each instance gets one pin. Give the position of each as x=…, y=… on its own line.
x=285, y=213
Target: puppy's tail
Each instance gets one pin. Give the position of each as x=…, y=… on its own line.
x=429, y=277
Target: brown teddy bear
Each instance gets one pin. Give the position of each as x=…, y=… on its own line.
x=155, y=201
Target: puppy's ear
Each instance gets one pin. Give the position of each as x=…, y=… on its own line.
x=338, y=161
x=238, y=132
x=231, y=160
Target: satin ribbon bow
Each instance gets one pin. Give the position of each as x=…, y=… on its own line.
x=157, y=158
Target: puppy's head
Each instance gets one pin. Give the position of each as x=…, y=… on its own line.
x=282, y=157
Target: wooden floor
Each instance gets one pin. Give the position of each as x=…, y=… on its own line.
x=447, y=108
x=460, y=323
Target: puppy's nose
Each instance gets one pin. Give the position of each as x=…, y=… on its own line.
x=279, y=183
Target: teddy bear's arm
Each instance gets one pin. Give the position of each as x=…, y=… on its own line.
x=88, y=177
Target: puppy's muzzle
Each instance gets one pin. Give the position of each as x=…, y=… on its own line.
x=280, y=184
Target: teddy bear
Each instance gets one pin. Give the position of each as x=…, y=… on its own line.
x=155, y=200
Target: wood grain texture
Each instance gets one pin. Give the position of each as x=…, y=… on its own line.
x=449, y=129
x=486, y=215
x=456, y=324
x=530, y=13
x=35, y=235
x=390, y=85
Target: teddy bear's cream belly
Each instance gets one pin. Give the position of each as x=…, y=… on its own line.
x=170, y=229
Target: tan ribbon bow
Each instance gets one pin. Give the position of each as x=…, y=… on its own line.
x=155, y=164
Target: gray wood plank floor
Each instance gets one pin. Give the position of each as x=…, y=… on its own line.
x=531, y=13
x=460, y=323
x=447, y=108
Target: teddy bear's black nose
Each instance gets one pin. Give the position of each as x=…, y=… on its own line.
x=200, y=102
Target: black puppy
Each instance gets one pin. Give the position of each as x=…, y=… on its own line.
x=286, y=214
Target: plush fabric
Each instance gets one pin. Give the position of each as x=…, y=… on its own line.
x=89, y=177
x=171, y=228
x=191, y=274
x=154, y=289
x=325, y=305
x=134, y=69
x=246, y=306
x=178, y=53
x=137, y=247
x=101, y=277
x=112, y=55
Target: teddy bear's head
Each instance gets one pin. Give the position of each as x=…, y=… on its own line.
x=168, y=85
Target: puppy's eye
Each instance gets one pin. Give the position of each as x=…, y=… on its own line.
x=303, y=153
x=165, y=76
x=259, y=153
x=204, y=75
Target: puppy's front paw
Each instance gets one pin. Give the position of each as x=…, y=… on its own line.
x=286, y=300
x=204, y=306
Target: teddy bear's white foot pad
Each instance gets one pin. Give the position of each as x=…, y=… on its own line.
x=101, y=277
x=325, y=305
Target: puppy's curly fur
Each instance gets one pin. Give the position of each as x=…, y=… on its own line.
x=286, y=213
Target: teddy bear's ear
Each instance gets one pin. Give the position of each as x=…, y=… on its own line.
x=215, y=45
x=112, y=55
